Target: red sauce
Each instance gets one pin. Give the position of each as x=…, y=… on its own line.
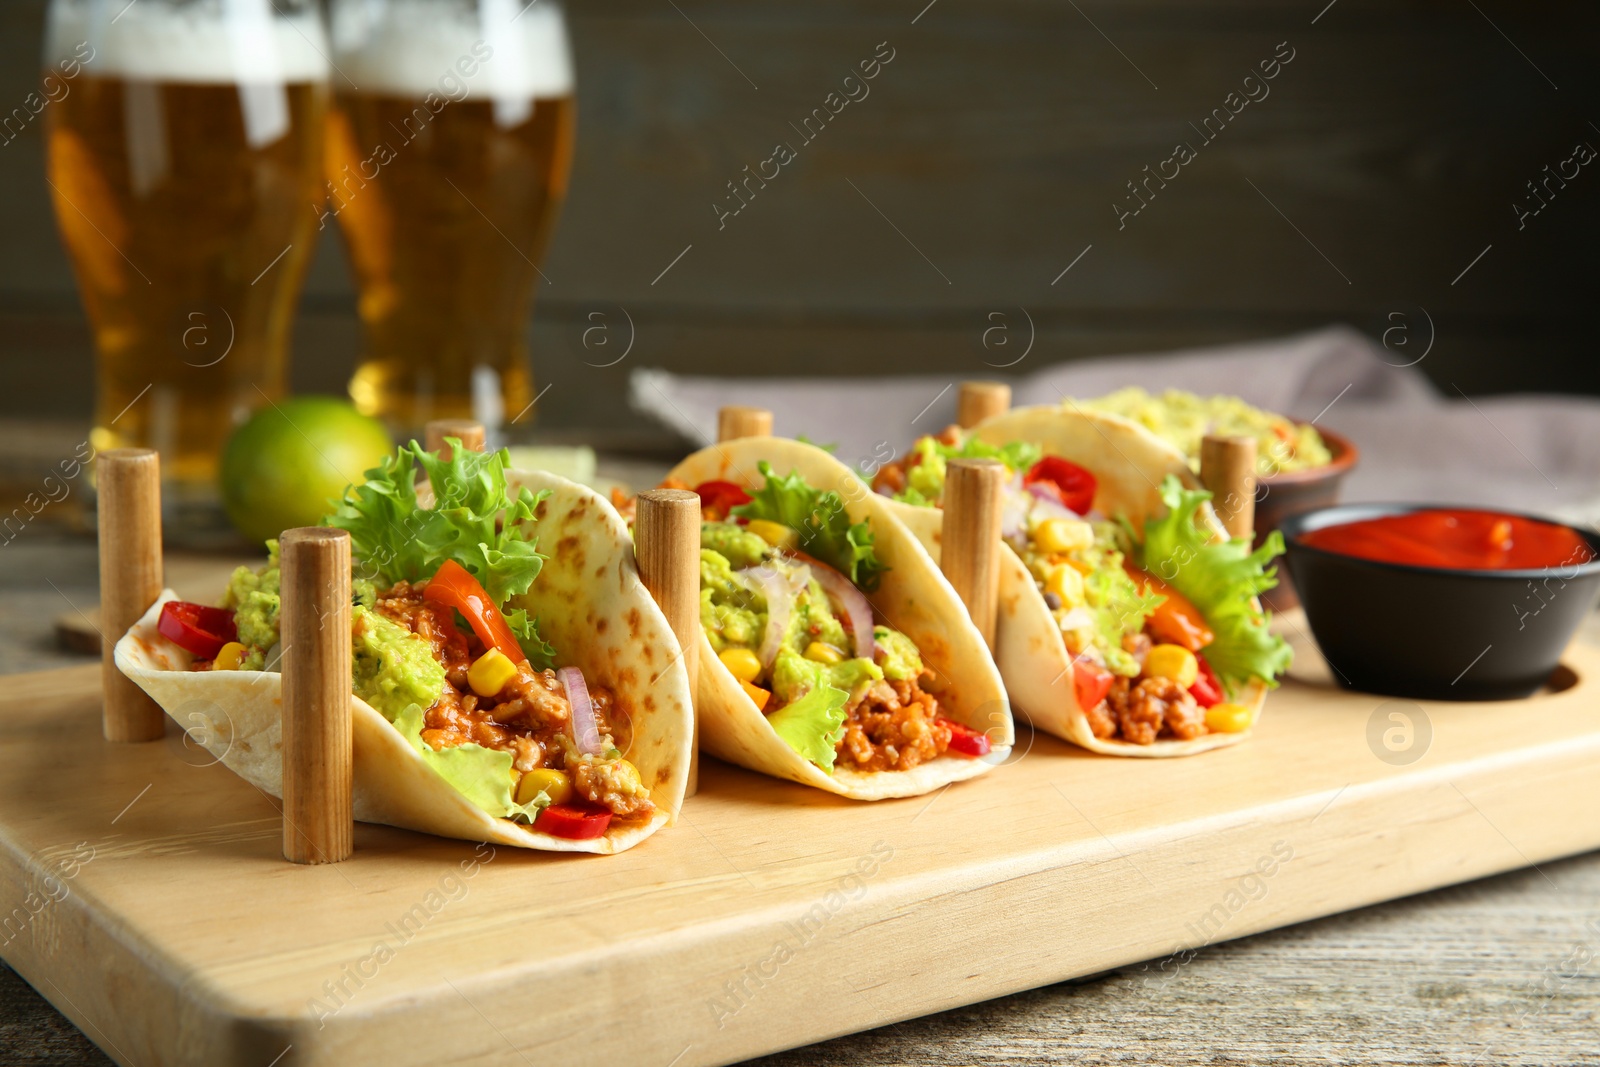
x=1457, y=539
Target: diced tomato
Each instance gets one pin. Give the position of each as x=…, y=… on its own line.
x=1070, y=484
x=965, y=740
x=1090, y=683
x=455, y=587
x=1176, y=621
x=197, y=628
x=1206, y=690
x=577, y=821
x=716, y=498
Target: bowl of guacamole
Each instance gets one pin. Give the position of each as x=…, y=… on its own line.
x=1299, y=467
x=1283, y=446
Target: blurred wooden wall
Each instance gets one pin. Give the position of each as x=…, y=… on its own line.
x=987, y=157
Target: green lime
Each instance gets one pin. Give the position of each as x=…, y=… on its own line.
x=281, y=469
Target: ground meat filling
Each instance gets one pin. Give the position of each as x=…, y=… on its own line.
x=529, y=717
x=1102, y=719
x=1151, y=709
x=1144, y=710
x=891, y=726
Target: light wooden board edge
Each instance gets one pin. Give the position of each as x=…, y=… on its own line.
x=911, y=944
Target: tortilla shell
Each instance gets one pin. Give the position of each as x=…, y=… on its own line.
x=590, y=605
x=1129, y=463
x=913, y=597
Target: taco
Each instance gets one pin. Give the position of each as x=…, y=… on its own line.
x=1183, y=419
x=833, y=651
x=1129, y=623
x=499, y=694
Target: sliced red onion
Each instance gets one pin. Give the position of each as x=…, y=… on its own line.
x=585, y=731
x=779, y=592
x=1047, y=506
x=852, y=601
x=1014, y=513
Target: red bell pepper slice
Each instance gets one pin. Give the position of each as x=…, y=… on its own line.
x=965, y=740
x=1176, y=621
x=197, y=628
x=1069, y=483
x=454, y=587
x=718, y=497
x=575, y=821
x=1090, y=683
x=1207, y=689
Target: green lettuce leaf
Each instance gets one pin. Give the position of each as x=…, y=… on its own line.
x=541, y=653
x=823, y=525
x=396, y=539
x=482, y=775
x=813, y=725
x=1219, y=578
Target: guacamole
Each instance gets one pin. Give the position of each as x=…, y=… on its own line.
x=793, y=676
x=1182, y=419
x=734, y=615
x=735, y=544
x=928, y=463
x=926, y=479
x=899, y=658
x=393, y=667
x=254, y=598
x=1093, y=599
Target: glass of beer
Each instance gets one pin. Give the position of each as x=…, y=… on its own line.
x=449, y=143
x=185, y=163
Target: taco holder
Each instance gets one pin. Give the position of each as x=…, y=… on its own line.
x=159, y=915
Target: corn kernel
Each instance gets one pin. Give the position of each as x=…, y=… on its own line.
x=775, y=534
x=547, y=780
x=1174, y=662
x=490, y=673
x=1062, y=535
x=742, y=663
x=228, y=657
x=1229, y=718
x=1065, y=582
x=820, y=652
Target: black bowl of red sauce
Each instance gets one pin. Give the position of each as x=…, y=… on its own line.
x=1441, y=603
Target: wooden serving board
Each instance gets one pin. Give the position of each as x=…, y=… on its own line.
x=145, y=896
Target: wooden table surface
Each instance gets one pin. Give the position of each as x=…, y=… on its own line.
x=1501, y=971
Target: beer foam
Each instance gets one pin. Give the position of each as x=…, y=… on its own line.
x=197, y=44
x=415, y=47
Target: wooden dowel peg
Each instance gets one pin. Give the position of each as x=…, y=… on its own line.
x=469, y=431
x=1228, y=469
x=666, y=536
x=129, y=484
x=969, y=553
x=981, y=400
x=317, y=758
x=734, y=421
